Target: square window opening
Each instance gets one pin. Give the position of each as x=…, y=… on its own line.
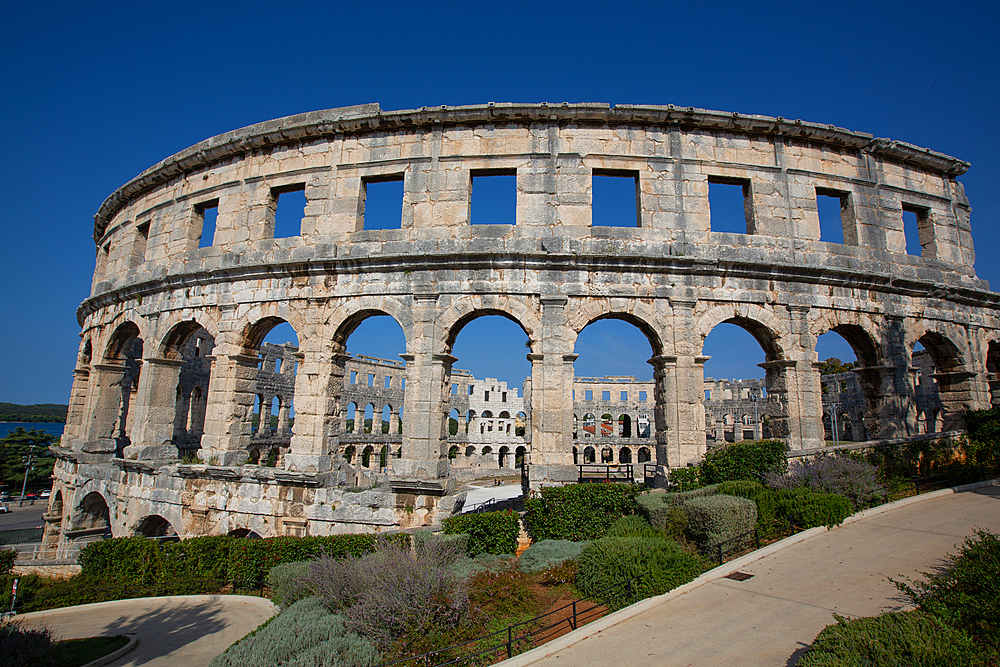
x=642, y=396
x=383, y=204
x=139, y=247
x=729, y=204
x=831, y=206
x=615, y=197
x=290, y=204
x=915, y=221
x=207, y=213
x=605, y=395
x=493, y=197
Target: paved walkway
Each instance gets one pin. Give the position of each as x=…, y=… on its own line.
x=175, y=631
x=796, y=588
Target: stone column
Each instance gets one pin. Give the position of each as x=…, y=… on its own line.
x=552, y=397
x=155, y=410
x=104, y=423
x=794, y=402
x=679, y=414
x=230, y=406
x=73, y=433
x=425, y=431
x=957, y=392
x=316, y=434
x=889, y=410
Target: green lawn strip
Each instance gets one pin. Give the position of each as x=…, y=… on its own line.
x=77, y=652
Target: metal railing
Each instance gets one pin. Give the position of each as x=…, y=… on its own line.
x=506, y=643
x=21, y=535
x=596, y=472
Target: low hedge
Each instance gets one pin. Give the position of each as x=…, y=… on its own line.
x=489, y=532
x=660, y=565
x=632, y=526
x=749, y=460
x=893, y=639
x=304, y=634
x=578, y=511
x=137, y=561
x=802, y=507
x=715, y=519
x=546, y=553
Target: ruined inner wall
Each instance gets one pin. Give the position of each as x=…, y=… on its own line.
x=552, y=270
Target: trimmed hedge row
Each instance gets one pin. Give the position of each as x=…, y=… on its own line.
x=489, y=532
x=578, y=511
x=705, y=516
x=750, y=460
x=136, y=561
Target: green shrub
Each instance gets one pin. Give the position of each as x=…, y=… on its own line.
x=458, y=541
x=288, y=583
x=717, y=518
x=669, y=517
x=7, y=558
x=25, y=646
x=547, y=553
x=632, y=526
x=503, y=592
x=660, y=565
x=578, y=511
x=749, y=460
x=802, y=507
x=894, y=639
x=983, y=430
x=125, y=561
x=843, y=475
x=684, y=479
x=744, y=488
x=305, y=634
x=966, y=592
x=489, y=532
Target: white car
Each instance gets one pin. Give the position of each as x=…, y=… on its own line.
x=4, y=509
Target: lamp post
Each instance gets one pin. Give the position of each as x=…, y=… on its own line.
x=29, y=464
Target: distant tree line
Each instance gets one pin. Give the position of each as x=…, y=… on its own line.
x=40, y=413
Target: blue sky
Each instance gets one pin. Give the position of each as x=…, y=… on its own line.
x=95, y=93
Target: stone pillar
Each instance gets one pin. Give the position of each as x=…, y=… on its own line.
x=316, y=434
x=889, y=410
x=425, y=432
x=957, y=392
x=794, y=402
x=230, y=406
x=552, y=397
x=264, y=426
x=155, y=410
x=679, y=413
x=73, y=434
x=105, y=421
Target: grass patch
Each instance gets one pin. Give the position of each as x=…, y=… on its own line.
x=77, y=652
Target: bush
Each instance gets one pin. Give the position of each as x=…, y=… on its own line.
x=894, y=639
x=489, y=532
x=7, y=558
x=684, y=479
x=744, y=488
x=304, y=635
x=749, y=460
x=287, y=582
x=20, y=646
x=667, y=516
x=715, y=519
x=912, y=459
x=457, y=541
x=802, y=507
x=983, y=430
x=855, y=480
x=659, y=565
x=578, y=511
x=388, y=593
x=502, y=593
x=966, y=593
x=548, y=553
x=632, y=526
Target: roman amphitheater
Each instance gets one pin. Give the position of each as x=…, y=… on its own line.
x=180, y=419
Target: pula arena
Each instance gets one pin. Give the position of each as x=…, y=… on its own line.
x=159, y=286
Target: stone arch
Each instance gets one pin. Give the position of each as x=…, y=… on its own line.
x=155, y=525
x=589, y=455
x=502, y=456
x=460, y=314
x=607, y=455
x=244, y=533
x=92, y=512
x=120, y=341
x=625, y=455
x=348, y=319
x=170, y=346
x=860, y=332
x=993, y=370
x=953, y=374
x=635, y=312
x=643, y=455
x=766, y=328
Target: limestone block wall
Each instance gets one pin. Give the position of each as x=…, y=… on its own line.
x=553, y=270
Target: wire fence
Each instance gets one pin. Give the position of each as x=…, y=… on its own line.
x=21, y=535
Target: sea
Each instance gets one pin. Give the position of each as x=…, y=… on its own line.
x=54, y=429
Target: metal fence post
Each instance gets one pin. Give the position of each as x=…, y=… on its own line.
x=574, y=615
x=510, y=641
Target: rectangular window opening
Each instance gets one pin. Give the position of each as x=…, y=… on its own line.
x=139, y=247
x=354, y=377
x=588, y=395
x=708, y=394
x=493, y=197
x=624, y=396
x=454, y=389
x=277, y=365
x=831, y=206
x=471, y=387
x=487, y=396
x=290, y=204
x=208, y=214
x=729, y=204
x=915, y=219
x=615, y=198
x=605, y=395
x=388, y=382
x=642, y=396
x=371, y=379
x=503, y=397
x=383, y=205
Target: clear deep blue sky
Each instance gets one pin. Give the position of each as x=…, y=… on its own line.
x=94, y=94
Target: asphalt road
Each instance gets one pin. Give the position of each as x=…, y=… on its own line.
x=29, y=516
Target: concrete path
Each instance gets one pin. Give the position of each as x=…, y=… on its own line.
x=479, y=494
x=175, y=631
x=797, y=586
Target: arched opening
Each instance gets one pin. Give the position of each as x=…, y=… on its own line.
x=942, y=384
x=349, y=453
x=350, y=426
x=274, y=343
x=383, y=457
x=192, y=345
x=118, y=382
x=848, y=390
x=155, y=525
x=384, y=419
x=993, y=371
x=453, y=423
x=607, y=430
x=520, y=452
x=366, y=456
x=503, y=456
x=487, y=450
x=589, y=425
x=589, y=455
x=93, y=514
x=744, y=375
x=470, y=450
x=245, y=533
x=369, y=418
x=624, y=426
x=607, y=455
x=643, y=455
x=453, y=452
x=625, y=455
x=576, y=456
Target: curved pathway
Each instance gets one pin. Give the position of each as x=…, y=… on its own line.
x=178, y=630
x=796, y=587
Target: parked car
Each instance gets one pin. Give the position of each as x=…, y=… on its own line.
x=45, y=494
x=4, y=509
